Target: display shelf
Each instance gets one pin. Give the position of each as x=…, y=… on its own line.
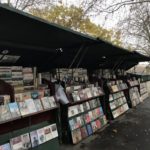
x=115, y=99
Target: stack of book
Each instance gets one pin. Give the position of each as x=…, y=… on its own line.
x=116, y=86
x=118, y=104
x=77, y=75
x=33, y=139
x=26, y=107
x=143, y=91
x=85, y=119
x=134, y=96
x=28, y=78
x=6, y=74
x=17, y=78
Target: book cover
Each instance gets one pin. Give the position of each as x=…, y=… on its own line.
x=14, y=109
x=41, y=135
x=98, y=124
x=87, y=118
x=31, y=106
x=16, y=143
x=75, y=96
x=4, y=113
x=34, y=94
x=41, y=94
x=34, y=138
x=88, y=92
x=101, y=110
x=19, y=97
x=45, y=103
x=52, y=101
x=23, y=108
x=5, y=147
x=48, y=133
x=26, y=95
x=26, y=143
x=76, y=136
x=80, y=121
x=38, y=105
x=89, y=129
x=84, y=132
x=90, y=115
x=72, y=111
x=94, y=126
x=81, y=94
x=54, y=130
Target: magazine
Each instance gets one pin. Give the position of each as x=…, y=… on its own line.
x=48, y=133
x=14, y=109
x=16, y=143
x=41, y=135
x=5, y=147
x=34, y=138
x=23, y=108
x=31, y=106
x=54, y=130
x=26, y=143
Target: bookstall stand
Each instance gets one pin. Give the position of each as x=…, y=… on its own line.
x=67, y=131
x=25, y=124
x=116, y=102
x=133, y=92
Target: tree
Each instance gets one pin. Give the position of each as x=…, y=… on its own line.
x=26, y=4
x=74, y=18
x=137, y=27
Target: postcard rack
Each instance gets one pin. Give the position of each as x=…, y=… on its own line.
x=83, y=117
x=116, y=102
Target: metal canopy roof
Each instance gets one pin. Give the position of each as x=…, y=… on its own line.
x=47, y=45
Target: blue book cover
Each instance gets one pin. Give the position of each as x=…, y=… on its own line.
x=14, y=109
x=5, y=146
x=89, y=129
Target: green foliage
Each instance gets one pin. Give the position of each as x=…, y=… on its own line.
x=74, y=18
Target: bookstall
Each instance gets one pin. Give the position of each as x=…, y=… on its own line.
x=31, y=115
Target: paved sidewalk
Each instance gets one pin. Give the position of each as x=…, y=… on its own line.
x=129, y=132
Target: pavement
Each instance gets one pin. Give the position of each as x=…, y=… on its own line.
x=131, y=131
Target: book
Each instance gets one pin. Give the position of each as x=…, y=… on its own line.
x=52, y=101
x=98, y=124
x=76, y=136
x=34, y=138
x=45, y=103
x=14, y=109
x=31, y=106
x=84, y=132
x=48, y=133
x=75, y=96
x=54, y=130
x=38, y=105
x=41, y=135
x=19, y=97
x=89, y=129
x=16, y=143
x=94, y=126
x=72, y=111
x=80, y=121
x=26, y=95
x=87, y=118
x=4, y=113
x=34, y=94
x=5, y=147
x=72, y=124
x=26, y=143
x=23, y=108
